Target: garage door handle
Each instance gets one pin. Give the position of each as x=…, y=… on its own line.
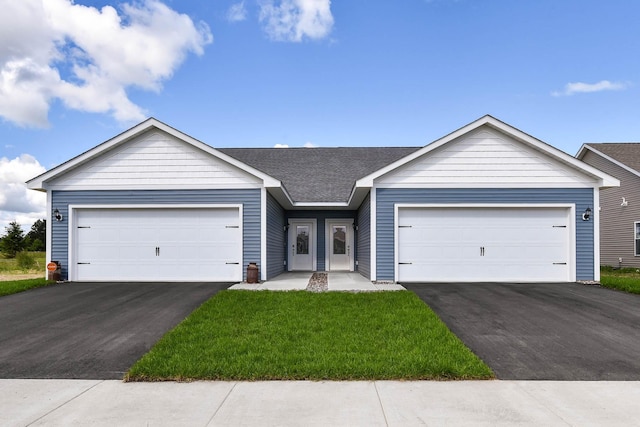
x=84, y=263
x=405, y=263
x=559, y=263
x=236, y=263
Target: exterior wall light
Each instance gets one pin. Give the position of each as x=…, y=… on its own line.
x=586, y=215
x=57, y=215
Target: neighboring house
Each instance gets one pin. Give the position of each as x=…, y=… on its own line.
x=619, y=206
x=484, y=203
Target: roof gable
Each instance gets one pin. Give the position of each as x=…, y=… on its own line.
x=513, y=140
x=121, y=152
x=155, y=160
x=484, y=157
x=625, y=154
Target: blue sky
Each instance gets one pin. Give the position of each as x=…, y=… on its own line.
x=257, y=73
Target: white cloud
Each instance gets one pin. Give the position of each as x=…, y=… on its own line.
x=237, y=12
x=309, y=144
x=87, y=57
x=293, y=20
x=579, y=87
x=281, y=146
x=17, y=202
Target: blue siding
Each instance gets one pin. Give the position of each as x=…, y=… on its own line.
x=276, y=238
x=387, y=197
x=363, y=238
x=321, y=216
x=249, y=198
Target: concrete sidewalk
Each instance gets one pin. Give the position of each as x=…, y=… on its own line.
x=304, y=403
x=337, y=281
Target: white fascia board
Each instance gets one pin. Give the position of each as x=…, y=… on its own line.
x=38, y=183
x=367, y=181
x=587, y=147
x=604, y=180
x=321, y=204
x=281, y=195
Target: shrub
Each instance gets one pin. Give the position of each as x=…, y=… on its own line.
x=25, y=261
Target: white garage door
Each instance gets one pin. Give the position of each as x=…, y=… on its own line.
x=168, y=244
x=484, y=244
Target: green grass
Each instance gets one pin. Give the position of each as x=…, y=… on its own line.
x=262, y=335
x=10, y=265
x=625, y=279
x=15, y=286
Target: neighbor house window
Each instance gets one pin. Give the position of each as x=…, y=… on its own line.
x=637, y=237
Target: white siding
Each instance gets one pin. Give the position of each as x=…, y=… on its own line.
x=156, y=160
x=484, y=158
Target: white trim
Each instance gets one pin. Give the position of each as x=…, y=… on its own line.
x=155, y=187
x=373, y=265
x=263, y=233
x=156, y=206
x=72, y=208
x=588, y=147
x=328, y=222
x=596, y=234
x=571, y=208
x=49, y=234
x=492, y=185
x=40, y=182
x=604, y=180
x=312, y=241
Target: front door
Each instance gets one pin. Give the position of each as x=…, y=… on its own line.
x=301, y=245
x=340, y=245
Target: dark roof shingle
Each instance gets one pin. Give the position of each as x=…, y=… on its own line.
x=319, y=174
x=627, y=153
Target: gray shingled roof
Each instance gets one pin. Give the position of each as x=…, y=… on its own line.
x=627, y=153
x=319, y=174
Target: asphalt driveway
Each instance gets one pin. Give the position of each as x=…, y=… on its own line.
x=562, y=331
x=90, y=330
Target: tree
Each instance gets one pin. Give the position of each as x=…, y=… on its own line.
x=36, y=238
x=13, y=240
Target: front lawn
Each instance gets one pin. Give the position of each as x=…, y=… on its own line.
x=625, y=279
x=262, y=335
x=24, y=262
x=14, y=286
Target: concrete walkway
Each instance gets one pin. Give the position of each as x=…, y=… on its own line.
x=304, y=403
x=338, y=281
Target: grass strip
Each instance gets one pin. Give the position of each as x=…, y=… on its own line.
x=622, y=279
x=262, y=335
x=621, y=283
x=15, y=286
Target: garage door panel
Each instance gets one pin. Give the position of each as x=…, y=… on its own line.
x=192, y=244
x=483, y=244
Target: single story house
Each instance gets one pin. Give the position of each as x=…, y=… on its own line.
x=486, y=202
x=619, y=206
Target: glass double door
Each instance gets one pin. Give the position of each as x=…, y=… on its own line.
x=303, y=250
